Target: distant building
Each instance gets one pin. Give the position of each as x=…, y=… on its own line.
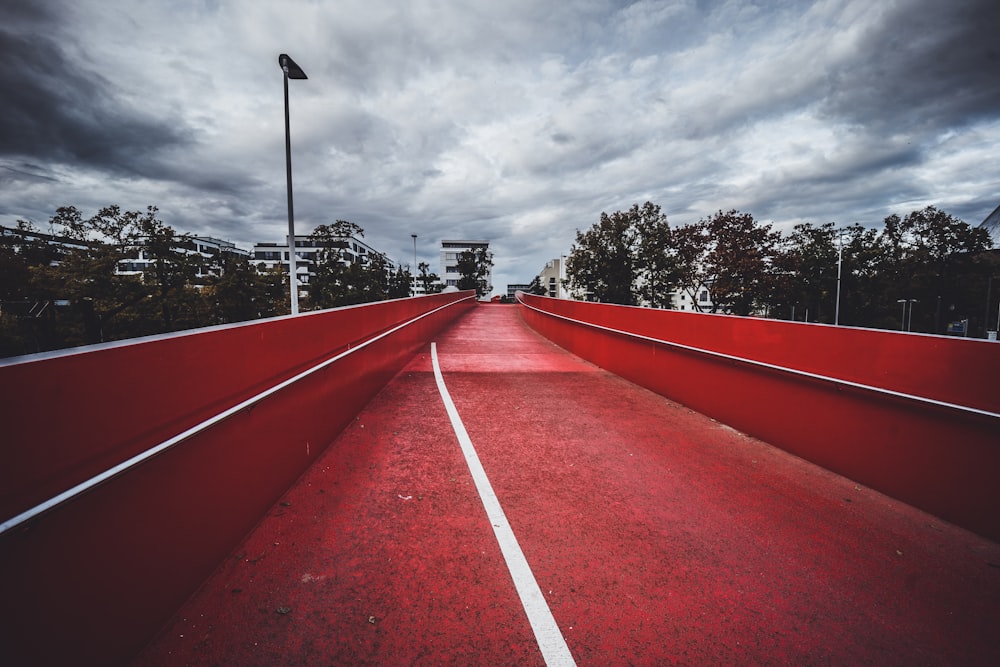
x=272, y=255
x=417, y=286
x=700, y=301
x=513, y=289
x=211, y=251
x=992, y=225
x=450, y=251
x=552, y=277
x=17, y=238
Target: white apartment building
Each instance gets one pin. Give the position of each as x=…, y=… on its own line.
x=213, y=252
x=554, y=273
x=450, y=250
x=700, y=302
x=272, y=255
x=552, y=277
x=514, y=288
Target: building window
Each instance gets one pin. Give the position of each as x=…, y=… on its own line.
x=703, y=297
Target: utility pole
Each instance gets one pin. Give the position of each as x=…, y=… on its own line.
x=414, y=276
x=840, y=262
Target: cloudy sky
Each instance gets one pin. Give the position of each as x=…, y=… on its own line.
x=517, y=121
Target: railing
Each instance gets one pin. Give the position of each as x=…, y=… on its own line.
x=131, y=470
x=916, y=417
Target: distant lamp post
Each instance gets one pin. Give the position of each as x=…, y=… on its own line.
x=906, y=322
x=292, y=71
x=414, y=276
x=840, y=262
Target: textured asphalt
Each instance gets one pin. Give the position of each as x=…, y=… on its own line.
x=656, y=535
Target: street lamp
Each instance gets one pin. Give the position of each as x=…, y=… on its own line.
x=840, y=262
x=414, y=277
x=291, y=71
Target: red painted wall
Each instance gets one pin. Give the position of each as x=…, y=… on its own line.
x=944, y=461
x=91, y=581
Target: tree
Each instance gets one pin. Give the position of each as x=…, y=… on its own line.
x=928, y=258
x=87, y=275
x=373, y=283
x=430, y=281
x=625, y=258
x=330, y=284
x=933, y=257
x=738, y=261
x=861, y=291
x=803, y=274
x=473, y=267
x=602, y=261
x=27, y=324
x=655, y=261
x=690, y=247
x=80, y=264
x=337, y=281
x=244, y=292
x=536, y=287
x=399, y=284
x=170, y=273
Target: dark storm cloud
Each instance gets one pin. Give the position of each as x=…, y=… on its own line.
x=924, y=65
x=518, y=121
x=56, y=108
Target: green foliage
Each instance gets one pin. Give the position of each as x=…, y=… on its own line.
x=536, y=287
x=803, y=273
x=473, y=267
x=244, y=292
x=431, y=282
x=63, y=290
x=690, y=248
x=625, y=258
x=740, y=252
x=633, y=257
x=655, y=263
x=338, y=282
x=936, y=259
x=602, y=261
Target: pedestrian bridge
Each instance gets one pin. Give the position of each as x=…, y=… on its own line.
x=438, y=481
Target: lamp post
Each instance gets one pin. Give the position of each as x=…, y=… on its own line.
x=291, y=71
x=414, y=277
x=840, y=262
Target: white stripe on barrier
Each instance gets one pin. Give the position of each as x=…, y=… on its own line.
x=773, y=367
x=114, y=471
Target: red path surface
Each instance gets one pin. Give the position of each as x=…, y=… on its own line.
x=657, y=536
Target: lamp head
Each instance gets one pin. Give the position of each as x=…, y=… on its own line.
x=291, y=69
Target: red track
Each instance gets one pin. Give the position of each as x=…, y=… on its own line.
x=657, y=536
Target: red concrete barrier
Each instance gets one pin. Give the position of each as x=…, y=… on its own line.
x=90, y=581
x=914, y=416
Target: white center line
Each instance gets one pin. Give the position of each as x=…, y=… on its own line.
x=547, y=634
